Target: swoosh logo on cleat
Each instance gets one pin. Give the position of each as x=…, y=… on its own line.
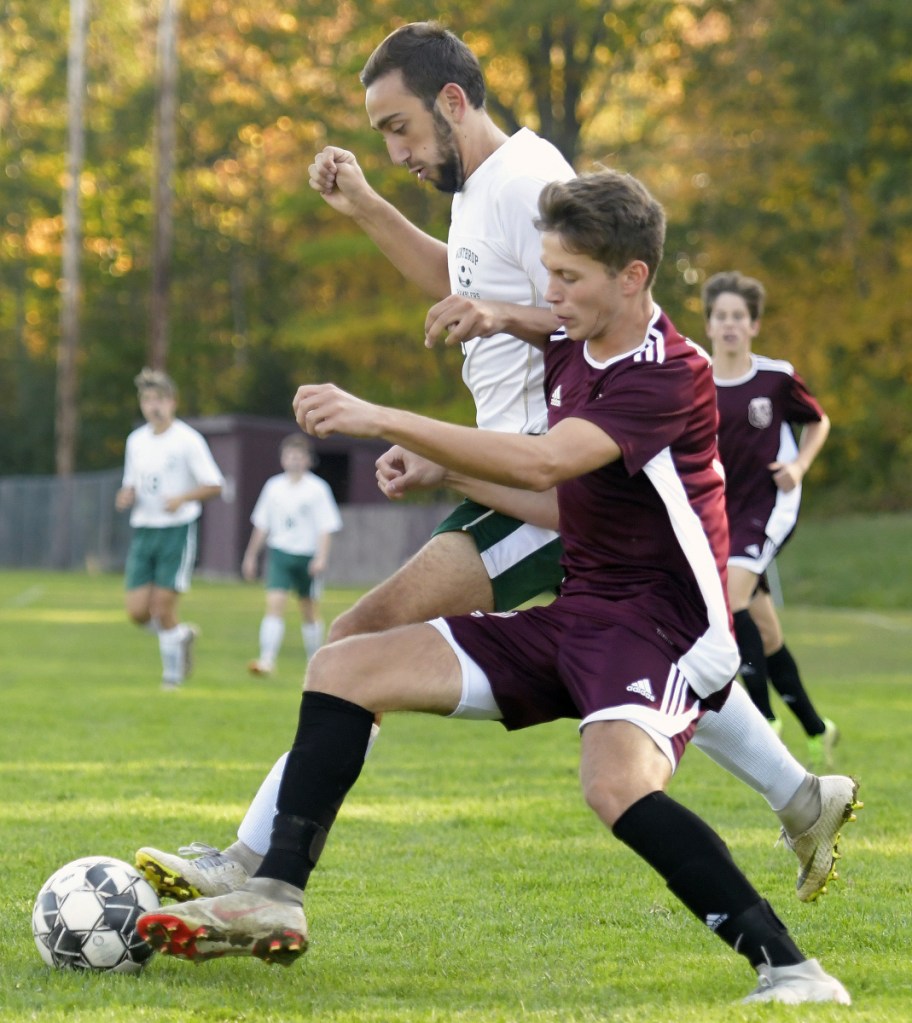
x=234, y=914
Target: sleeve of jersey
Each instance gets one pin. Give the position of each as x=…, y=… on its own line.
x=130, y=476
x=259, y=517
x=801, y=406
x=644, y=409
x=328, y=517
x=202, y=464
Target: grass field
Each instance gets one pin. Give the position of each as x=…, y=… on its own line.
x=465, y=880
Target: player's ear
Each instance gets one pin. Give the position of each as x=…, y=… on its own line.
x=453, y=101
x=634, y=276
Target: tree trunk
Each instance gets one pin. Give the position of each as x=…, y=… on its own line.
x=66, y=422
x=165, y=144
x=72, y=244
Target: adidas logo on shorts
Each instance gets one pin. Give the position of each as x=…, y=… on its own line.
x=642, y=687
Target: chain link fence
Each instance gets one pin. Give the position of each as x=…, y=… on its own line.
x=71, y=524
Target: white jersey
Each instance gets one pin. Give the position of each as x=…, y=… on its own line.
x=163, y=465
x=294, y=515
x=493, y=251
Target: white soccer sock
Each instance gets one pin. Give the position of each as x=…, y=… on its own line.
x=153, y=625
x=312, y=633
x=739, y=739
x=256, y=827
x=272, y=632
x=172, y=653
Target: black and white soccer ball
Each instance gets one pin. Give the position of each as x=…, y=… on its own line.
x=85, y=916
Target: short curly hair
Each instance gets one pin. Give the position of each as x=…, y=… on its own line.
x=155, y=380
x=735, y=282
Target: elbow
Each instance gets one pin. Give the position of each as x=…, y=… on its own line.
x=542, y=476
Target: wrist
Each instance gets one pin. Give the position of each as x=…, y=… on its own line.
x=367, y=208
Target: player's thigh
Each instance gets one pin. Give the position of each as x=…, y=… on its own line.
x=446, y=577
x=763, y=612
x=741, y=586
x=408, y=668
x=619, y=765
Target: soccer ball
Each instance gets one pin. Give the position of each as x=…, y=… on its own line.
x=85, y=916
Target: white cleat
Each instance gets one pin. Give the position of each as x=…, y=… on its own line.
x=794, y=985
x=817, y=848
x=209, y=872
x=260, y=668
x=243, y=923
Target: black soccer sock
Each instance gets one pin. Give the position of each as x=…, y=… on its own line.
x=323, y=764
x=786, y=680
x=699, y=870
x=753, y=663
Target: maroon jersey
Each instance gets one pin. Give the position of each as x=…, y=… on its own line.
x=756, y=413
x=645, y=538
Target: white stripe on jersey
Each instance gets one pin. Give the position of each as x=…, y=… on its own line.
x=713, y=659
x=653, y=347
x=784, y=515
x=772, y=365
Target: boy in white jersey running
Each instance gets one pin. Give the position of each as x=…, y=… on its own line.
x=168, y=472
x=425, y=94
x=295, y=516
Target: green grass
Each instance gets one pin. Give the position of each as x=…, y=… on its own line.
x=465, y=880
x=855, y=561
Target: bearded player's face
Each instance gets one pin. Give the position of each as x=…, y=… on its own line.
x=421, y=140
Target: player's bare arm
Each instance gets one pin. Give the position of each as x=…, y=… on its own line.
x=571, y=448
x=125, y=498
x=538, y=508
x=203, y=493
x=250, y=562
x=456, y=319
x=400, y=471
x=787, y=475
x=337, y=176
x=318, y=562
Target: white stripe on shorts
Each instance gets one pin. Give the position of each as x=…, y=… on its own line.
x=515, y=548
x=477, y=702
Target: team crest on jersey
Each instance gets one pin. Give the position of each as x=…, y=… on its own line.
x=466, y=261
x=760, y=413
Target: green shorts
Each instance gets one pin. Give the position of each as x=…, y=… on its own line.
x=523, y=561
x=161, y=557
x=291, y=572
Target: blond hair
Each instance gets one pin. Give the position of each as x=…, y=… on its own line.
x=155, y=380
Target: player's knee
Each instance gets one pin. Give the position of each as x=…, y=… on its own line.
x=138, y=613
x=327, y=671
x=357, y=621
x=606, y=797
